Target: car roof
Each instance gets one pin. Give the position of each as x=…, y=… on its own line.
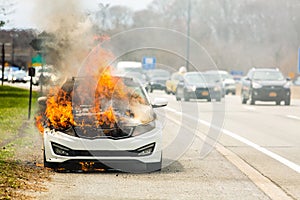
x=265, y=69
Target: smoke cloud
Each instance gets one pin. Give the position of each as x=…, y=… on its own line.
x=71, y=34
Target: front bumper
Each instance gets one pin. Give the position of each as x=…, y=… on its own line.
x=112, y=153
x=157, y=86
x=271, y=94
x=203, y=93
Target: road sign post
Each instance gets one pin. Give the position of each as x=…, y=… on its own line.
x=31, y=73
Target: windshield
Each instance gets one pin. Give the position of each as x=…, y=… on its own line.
x=268, y=75
x=226, y=76
x=211, y=78
x=136, y=75
x=158, y=73
x=195, y=78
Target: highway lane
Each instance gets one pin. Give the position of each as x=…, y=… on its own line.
x=274, y=128
x=273, y=132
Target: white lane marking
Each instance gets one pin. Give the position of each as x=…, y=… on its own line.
x=293, y=117
x=267, y=186
x=277, y=157
x=249, y=108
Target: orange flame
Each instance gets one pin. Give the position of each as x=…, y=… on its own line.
x=59, y=109
x=103, y=88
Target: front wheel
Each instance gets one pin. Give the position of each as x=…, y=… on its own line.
x=287, y=102
x=48, y=164
x=252, y=101
x=244, y=101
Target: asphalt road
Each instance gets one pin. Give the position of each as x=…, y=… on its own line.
x=211, y=151
x=265, y=136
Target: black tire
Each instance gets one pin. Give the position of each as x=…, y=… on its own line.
x=252, y=101
x=177, y=97
x=244, y=101
x=151, y=90
x=233, y=93
x=287, y=102
x=49, y=164
x=278, y=102
x=209, y=100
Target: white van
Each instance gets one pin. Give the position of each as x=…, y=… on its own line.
x=129, y=66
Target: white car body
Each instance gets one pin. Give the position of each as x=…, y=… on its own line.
x=132, y=153
x=107, y=146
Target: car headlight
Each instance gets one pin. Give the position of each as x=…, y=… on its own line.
x=256, y=85
x=69, y=131
x=191, y=88
x=287, y=85
x=143, y=128
x=217, y=88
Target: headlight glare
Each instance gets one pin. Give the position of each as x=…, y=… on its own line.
x=287, y=85
x=256, y=85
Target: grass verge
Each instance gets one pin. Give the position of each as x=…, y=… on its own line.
x=19, y=173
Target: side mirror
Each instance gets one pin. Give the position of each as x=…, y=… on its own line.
x=42, y=100
x=159, y=102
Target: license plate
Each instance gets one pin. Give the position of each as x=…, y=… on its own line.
x=272, y=94
x=205, y=93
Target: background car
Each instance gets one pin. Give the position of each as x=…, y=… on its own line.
x=45, y=74
x=265, y=84
x=5, y=74
x=157, y=79
x=8, y=72
x=197, y=85
x=18, y=76
x=171, y=84
x=138, y=76
x=228, y=82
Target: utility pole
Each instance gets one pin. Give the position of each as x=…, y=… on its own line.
x=3, y=62
x=188, y=30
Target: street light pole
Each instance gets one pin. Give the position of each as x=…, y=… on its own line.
x=188, y=35
x=3, y=62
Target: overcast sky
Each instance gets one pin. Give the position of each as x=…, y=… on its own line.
x=24, y=10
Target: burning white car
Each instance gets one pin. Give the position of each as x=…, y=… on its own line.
x=114, y=128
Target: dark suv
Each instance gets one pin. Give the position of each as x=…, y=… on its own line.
x=265, y=84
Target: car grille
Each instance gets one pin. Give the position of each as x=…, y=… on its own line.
x=199, y=90
x=89, y=132
x=270, y=87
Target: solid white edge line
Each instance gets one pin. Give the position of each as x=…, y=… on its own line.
x=293, y=117
x=262, y=182
x=279, y=158
x=265, y=151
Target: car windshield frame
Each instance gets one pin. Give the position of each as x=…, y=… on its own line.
x=212, y=78
x=267, y=76
x=158, y=73
x=194, y=78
